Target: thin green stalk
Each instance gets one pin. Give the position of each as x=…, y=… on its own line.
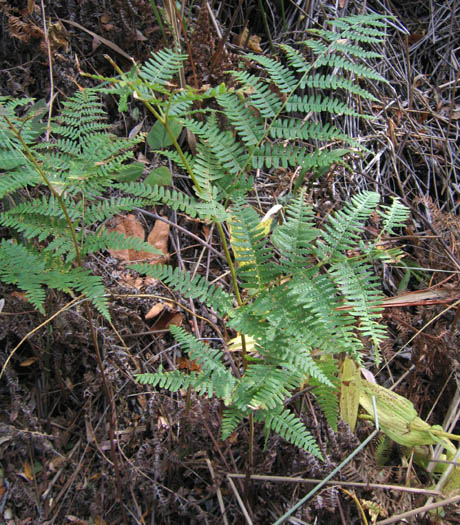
x=267, y=29
x=160, y=21
x=164, y=121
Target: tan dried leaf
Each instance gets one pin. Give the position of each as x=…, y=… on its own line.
x=155, y=310
x=158, y=238
x=131, y=227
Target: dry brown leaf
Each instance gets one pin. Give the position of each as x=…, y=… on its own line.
x=254, y=43
x=155, y=310
x=158, y=238
x=105, y=18
x=240, y=40
x=28, y=471
x=177, y=319
x=187, y=364
x=29, y=361
x=19, y=295
x=131, y=227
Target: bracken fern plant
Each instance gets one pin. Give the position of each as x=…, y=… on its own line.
x=300, y=295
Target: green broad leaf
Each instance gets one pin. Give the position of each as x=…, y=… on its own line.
x=159, y=177
x=158, y=136
x=131, y=173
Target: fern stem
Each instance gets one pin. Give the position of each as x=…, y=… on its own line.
x=164, y=121
x=239, y=301
x=176, y=145
x=231, y=266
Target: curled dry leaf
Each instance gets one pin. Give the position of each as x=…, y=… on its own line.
x=155, y=310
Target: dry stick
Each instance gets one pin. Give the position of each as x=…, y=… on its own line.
x=449, y=125
x=287, y=479
x=220, y=499
x=414, y=512
x=50, y=66
x=240, y=501
x=222, y=41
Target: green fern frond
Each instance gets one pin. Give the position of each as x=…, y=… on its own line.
x=340, y=62
x=347, y=48
x=175, y=199
x=191, y=288
x=231, y=418
x=394, y=216
x=294, y=238
x=250, y=129
x=209, y=358
x=34, y=226
x=292, y=155
x=289, y=427
x=172, y=381
x=334, y=83
x=86, y=283
x=361, y=28
x=208, y=169
x=102, y=210
x=31, y=272
x=249, y=244
x=162, y=66
x=294, y=129
x=212, y=367
x=24, y=268
x=282, y=77
x=318, y=103
x=316, y=297
x=296, y=60
x=82, y=116
x=229, y=152
x=260, y=96
x=103, y=240
x=327, y=395
x=176, y=158
x=267, y=386
x=342, y=230
x=357, y=281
